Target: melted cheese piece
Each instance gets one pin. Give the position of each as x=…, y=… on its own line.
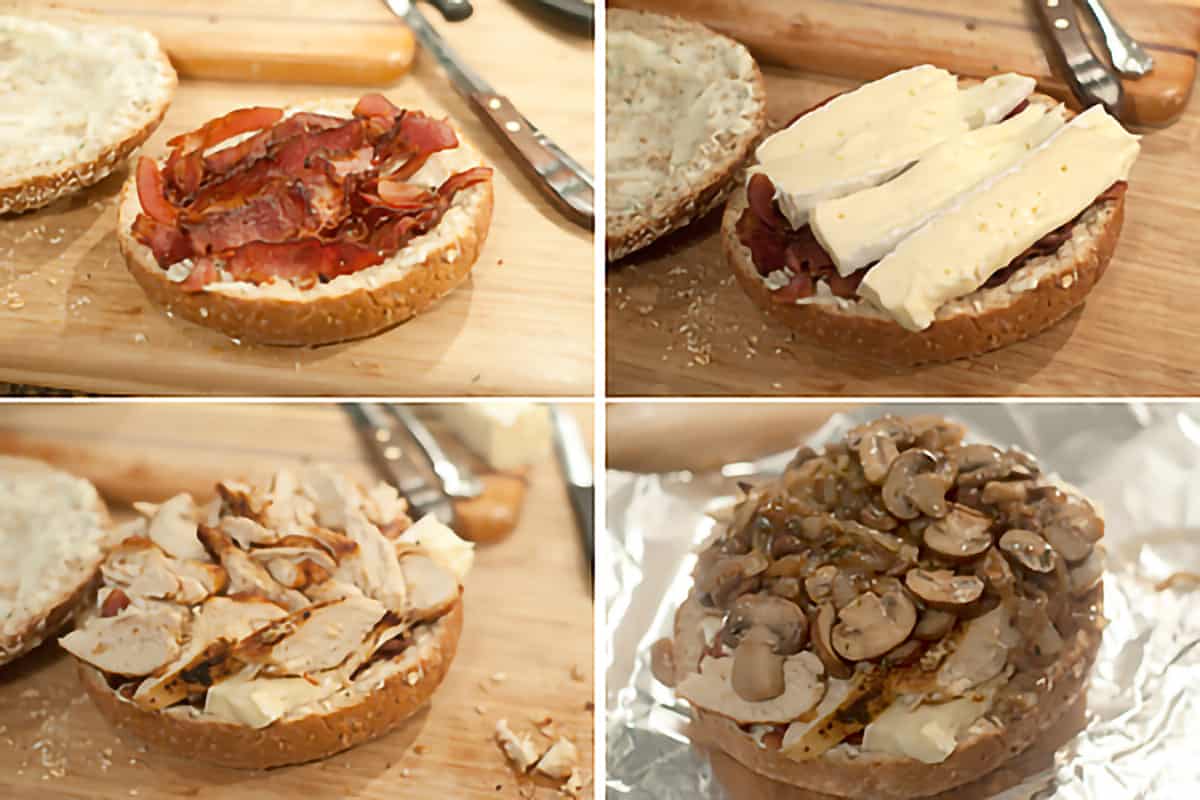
x=257, y=702
x=928, y=733
x=958, y=251
x=864, y=227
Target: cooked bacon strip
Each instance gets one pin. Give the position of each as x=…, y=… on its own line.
x=376, y=105
x=308, y=260
x=168, y=243
x=218, y=130
x=306, y=198
x=151, y=194
x=270, y=217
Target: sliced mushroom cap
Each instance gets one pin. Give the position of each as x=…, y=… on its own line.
x=819, y=585
x=821, y=634
x=723, y=577
x=962, y=534
x=1028, y=549
x=712, y=689
x=936, y=433
x=996, y=492
x=943, y=589
x=1087, y=574
x=872, y=625
x=784, y=619
x=1073, y=529
x=934, y=624
x=876, y=452
x=898, y=488
x=757, y=668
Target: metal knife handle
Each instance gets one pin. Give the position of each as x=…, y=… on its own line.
x=456, y=481
x=567, y=184
x=1127, y=55
x=1091, y=81
x=390, y=458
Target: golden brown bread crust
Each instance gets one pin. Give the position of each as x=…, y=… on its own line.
x=627, y=236
x=64, y=610
x=286, y=742
x=1028, y=313
x=1080, y=264
x=886, y=777
x=43, y=190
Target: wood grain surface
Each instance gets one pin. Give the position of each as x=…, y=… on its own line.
x=866, y=39
x=71, y=316
x=267, y=47
x=525, y=653
x=678, y=323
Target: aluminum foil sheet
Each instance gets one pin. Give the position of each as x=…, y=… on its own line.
x=1139, y=463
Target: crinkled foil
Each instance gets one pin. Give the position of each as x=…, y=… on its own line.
x=1140, y=463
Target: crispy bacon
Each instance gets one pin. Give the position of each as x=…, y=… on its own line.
x=151, y=194
x=168, y=243
x=376, y=105
x=306, y=198
x=218, y=130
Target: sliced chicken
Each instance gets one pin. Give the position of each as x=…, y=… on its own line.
x=240, y=500
x=376, y=566
x=133, y=643
x=173, y=528
x=247, y=576
x=331, y=493
x=332, y=590
x=296, y=567
x=247, y=532
x=219, y=624
x=141, y=568
x=385, y=507
x=314, y=639
x=432, y=589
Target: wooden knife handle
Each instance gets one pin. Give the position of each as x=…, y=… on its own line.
x=564, y=182
x=1090, y=80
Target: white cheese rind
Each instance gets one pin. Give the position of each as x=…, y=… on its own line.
x=864, y=227
x=860, y=139
x=955, y=253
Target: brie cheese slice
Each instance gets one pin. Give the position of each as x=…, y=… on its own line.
x=928, y=733
x=864, y=227
x=956, y=252
x=991, y=101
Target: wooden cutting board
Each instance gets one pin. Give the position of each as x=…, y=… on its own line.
x=679, y=324
x=867, y=39
x=525, y=653
x=271, y=43
x=71, y=316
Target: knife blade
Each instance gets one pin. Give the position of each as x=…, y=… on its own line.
x=391, y=456
x=562, y=179
x=577, y=471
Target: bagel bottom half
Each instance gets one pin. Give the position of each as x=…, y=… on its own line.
x=347, y=723
x=1038, y=294
x=348, y=307
x=852, y=773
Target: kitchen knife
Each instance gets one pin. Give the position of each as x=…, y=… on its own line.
x=457, y=480
x=577, y=471
x=1091, y=81
x=562, y=179
x=392, y=456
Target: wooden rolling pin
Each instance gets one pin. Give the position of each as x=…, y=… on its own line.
x=232, y=42
x=866, y=40
x=133, y=453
